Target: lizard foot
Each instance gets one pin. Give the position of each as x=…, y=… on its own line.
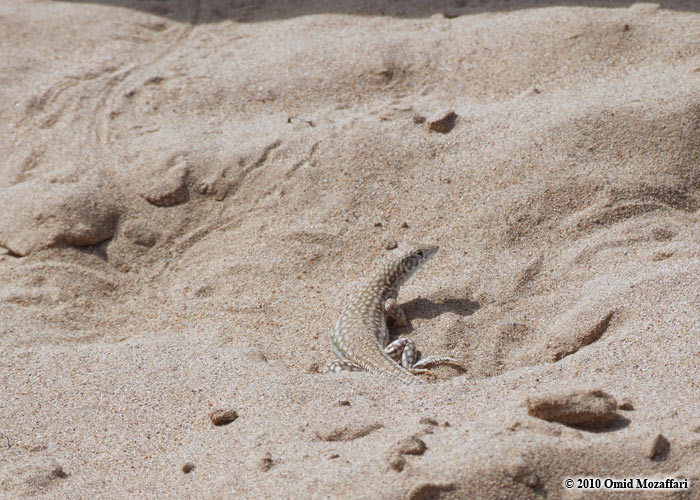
x=404, y=352
x=440, y=360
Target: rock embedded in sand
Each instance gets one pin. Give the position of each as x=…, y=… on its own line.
x=38, y=214
x=313, y=367
x=412, y=445
x=586, y=409
x=577, y=329
x=223, y=417
x=626, y=404
x=59, y=472
x=168, y=191
x=428, y=491
x=266, y=462
x=659, y=256
x=139, y=232
x=348, y=432
x=657, y=448
x=396, y=462
x=187, y=467
x=443, y=123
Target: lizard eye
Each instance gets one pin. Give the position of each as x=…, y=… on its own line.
x=420, y=253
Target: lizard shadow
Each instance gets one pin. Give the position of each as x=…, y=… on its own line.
x=427, y=309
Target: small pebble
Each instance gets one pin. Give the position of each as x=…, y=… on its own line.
x=658, y=256
x=266, y=462
x=187, y=467
x=514, y=426
x=223, y=417
x=410, y=446
x=626, y=405
x=155, y=80
x=396, y=462
x=657, y=448
x=312, y=367
x=444, y=123
x=391, y=244
x=59, y=472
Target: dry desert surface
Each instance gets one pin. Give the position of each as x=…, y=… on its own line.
x=191, y=190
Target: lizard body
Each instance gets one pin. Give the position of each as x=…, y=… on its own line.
x=361, y=335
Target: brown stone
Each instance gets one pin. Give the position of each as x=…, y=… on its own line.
x=443, y=123
x=593, y=409
x=223, y=417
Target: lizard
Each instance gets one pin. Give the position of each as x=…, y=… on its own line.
x=361, y=336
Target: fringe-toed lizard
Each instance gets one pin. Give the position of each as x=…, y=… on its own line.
x=361, y=335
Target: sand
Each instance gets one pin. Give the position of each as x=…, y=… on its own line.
x=191, y=190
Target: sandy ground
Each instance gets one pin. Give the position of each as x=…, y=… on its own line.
x=191, y=190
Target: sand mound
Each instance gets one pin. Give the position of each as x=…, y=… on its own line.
x=41, y=214
x=191, y=191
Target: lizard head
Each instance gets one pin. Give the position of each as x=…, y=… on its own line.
x=411, y=257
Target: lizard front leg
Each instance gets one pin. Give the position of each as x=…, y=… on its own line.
x=394, y=311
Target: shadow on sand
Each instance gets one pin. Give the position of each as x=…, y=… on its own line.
x=250, y=11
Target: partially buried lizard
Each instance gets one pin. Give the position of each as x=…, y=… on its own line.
x=361, y=335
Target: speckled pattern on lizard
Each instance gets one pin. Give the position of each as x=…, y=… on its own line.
x=361, y=335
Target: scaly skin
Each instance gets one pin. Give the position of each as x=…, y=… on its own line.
x=361, y=335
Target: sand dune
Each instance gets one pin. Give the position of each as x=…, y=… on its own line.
x=190, y=191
